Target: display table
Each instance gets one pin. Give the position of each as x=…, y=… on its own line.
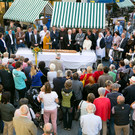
x=70, y=60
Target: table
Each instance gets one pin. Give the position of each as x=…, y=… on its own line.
x=70, y=60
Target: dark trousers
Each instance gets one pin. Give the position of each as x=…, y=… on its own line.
x=11, y=48
x=67, y=117
x=133, y=122
x=54, y=45
x=21, y=93
x=29, y=44
x=78, y=47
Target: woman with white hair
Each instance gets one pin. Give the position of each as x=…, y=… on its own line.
x=5, y=59
x=100, y=49
x=103, y=108
x=51, y=74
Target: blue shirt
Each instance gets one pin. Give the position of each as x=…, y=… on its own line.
x=19, y=79
x=36, y=79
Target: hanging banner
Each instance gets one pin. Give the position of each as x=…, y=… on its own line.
x=105, y=1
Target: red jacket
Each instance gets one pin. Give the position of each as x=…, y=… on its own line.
x=103, y=108
x=96, y=75
x=87, y=78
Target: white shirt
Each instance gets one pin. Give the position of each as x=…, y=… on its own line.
x=42, y=34
x=121, y=42
x=87, y=44
x=51, y=76
x=35, y=39
x=49, y=100
x=128, y=26
x=91, y=124
x=69, y=37
x=11, y=39
x=30, y=33
x=5, y=60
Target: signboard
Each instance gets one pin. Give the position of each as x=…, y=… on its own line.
x=105, y=1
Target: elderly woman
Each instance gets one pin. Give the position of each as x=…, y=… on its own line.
x=50, y=100
x=100, y=48
x=86, y=74
x=103, y=108
x=116, y=38
x=87, y=44
x=83, y=105
x=67, y=104
x=47, y=41
x=99, y=72
x=113, y=72
x=51, y=74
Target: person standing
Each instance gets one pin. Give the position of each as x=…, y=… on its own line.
x=129, y=28
x=35, y=39
x=73, y=38
x=54, y=38
x=118, y=28
x=68, y=40
x=108, y=42
x=121, y=114
x=62, y=34
x=100, y=48
x=7, y=112
x=47, y=41
x=103, y=109
x=28, y=37
x=19, y=79
x=79, y=40
x=67, y=104
x=3, y=47
x=42, y=34
x=22, y=124
x=91, y=124
x=20, y=36
x=10, y=42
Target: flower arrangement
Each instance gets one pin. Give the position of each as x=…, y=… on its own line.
x=36, y=50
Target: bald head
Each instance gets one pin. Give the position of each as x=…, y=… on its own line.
x=91, y=108
x=48, y=129
x=120, y=100
x=24, y=110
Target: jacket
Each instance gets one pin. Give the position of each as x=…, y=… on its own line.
x=18, y=38
x=24, y=126
x=33, y=42
x=2, y=48
x=121, y=114
x=102, y=43
x=54, y=37
x=8, y=40
x=108, y=41
x=79, y=38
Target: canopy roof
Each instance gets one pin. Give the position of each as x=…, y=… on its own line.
x=78, y=15
x=126, y=3
x=27, y=10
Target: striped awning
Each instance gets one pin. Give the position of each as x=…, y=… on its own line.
x=126, y=3
x=78, y=15
x=27, y=10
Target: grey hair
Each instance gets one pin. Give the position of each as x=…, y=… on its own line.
x=59, y=73
x=52, y=66
x=69, y=30
x=91, y=108
x=126, y=61
x=123, y=34
x=24, y=110
x=112, y=66
x=121, y=99
x=48, y=128
x=101, y=91
x=45, y=27
x=58, y=55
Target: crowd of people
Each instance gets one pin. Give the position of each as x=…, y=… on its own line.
x=105, y=97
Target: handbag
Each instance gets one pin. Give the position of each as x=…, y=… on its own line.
x=34, y=120
x=78, y=112
x=84, y=79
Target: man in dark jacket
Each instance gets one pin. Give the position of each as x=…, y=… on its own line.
x=54, y=38
x=121, y=116
x=10, y=41
x=129, y=92
x=35, y=39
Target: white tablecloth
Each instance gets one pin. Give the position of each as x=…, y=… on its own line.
x=70, y=60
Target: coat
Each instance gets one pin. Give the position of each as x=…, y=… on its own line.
x=79, y=38
x=66, y=42
x=2, y=48
x=24, y=126
x=108, y=41
x=18, y=38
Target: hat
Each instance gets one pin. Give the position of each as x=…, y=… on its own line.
x=115, y=86
x=132, y=79
x=11, y=60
